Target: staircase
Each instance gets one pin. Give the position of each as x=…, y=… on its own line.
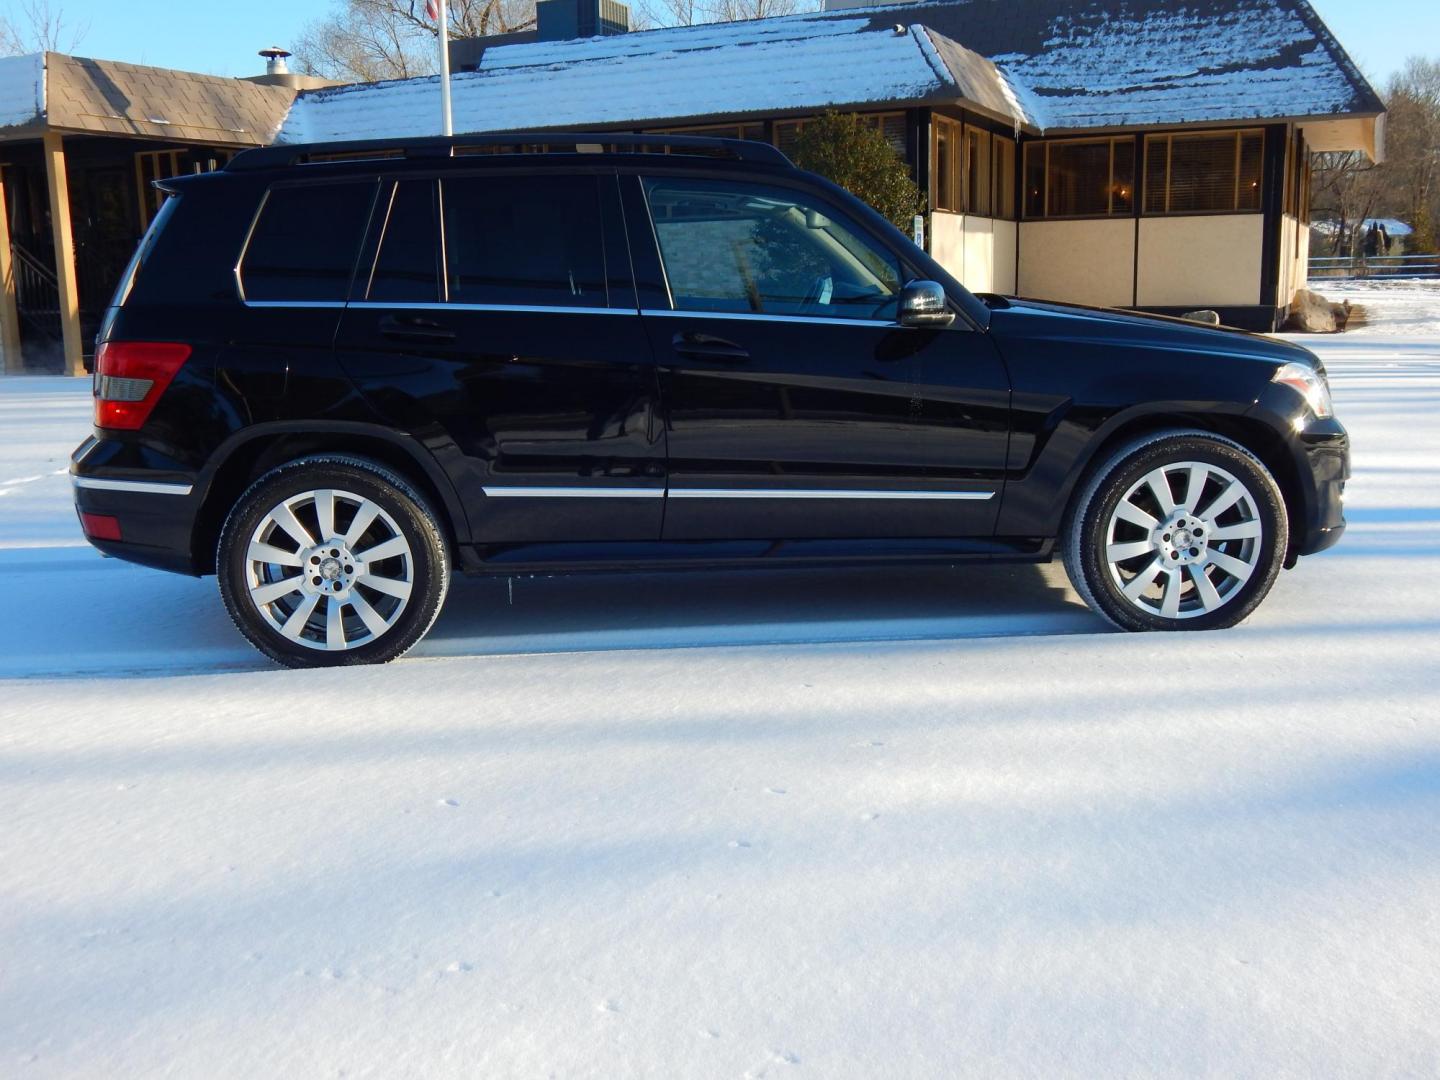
x=37, y=297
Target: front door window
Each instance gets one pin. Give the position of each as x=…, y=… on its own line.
x=748, y=248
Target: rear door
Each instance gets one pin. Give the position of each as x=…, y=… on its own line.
x=794, y=402
x=499, y=323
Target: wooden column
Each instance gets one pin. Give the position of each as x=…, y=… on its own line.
x=10, y=360
x=64, y=252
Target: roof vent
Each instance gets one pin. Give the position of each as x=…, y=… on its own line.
x=567, y=20
x=275, y=60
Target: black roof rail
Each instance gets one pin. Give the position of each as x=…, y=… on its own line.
x=446, y=146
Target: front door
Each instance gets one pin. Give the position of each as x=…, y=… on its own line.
x=794, y=402
x=516, y=346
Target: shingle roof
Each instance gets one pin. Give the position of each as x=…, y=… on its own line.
x=1051, y=64
x=79, y=94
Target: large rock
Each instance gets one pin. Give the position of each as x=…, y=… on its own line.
x=1311, y=313
x=1204, y=315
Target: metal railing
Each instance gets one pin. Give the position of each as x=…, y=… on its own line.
x=37, y=293
x=1374, y=267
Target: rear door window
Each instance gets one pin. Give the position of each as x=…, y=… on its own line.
x=524, y=241
x=305, y=241
x=407, y=268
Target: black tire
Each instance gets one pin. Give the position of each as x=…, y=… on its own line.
x=375, y=625
x=1211, y=591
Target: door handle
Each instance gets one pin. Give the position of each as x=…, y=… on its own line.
x=414, y=328
x=707, y=347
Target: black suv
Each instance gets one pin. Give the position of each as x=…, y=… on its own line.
x=333, y=371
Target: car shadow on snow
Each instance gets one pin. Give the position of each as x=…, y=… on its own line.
x=732, y=607
x=92, y=617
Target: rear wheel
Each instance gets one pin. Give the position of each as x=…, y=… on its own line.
x=1181, y=530
x=332, y=560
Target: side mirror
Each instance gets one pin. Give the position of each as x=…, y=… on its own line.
x=923, y=303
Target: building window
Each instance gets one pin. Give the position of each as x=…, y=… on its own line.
x=1300, y=180
x=1002, y=171
x=753, y=132
x=1079, y=178
x=977, y=171
x=973, y=170
x=946, y=189
x=152, y=165
x=1307, y=174
x=891, y=125
x=1203, y=173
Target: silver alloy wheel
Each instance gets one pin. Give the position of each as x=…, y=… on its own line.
x=329, y=570
x=1183, y=540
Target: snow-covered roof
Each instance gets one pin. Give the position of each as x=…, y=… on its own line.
x=1128, y=63
x=22, y=89
x=1047, y=64
x=768, y=65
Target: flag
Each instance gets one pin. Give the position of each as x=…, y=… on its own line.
x=432, y=10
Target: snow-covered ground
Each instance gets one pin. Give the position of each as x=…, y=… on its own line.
x=1392, y=308
x=934, y=824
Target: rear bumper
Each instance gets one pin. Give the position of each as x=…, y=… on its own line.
x=155, y=508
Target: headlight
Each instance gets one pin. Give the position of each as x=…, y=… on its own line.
x=1309, y=384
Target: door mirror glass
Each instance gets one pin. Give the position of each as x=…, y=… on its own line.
x=923, y=303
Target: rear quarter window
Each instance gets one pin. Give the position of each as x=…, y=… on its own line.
x=304, y=242
x=142, y=251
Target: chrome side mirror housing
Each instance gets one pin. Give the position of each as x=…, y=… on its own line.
x=923, y=303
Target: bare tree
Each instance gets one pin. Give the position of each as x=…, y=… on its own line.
x=668, y=13
x=739, y=10
x=1412, y=166
x=39, y=27
x=1347, y=189
x=1344, y=189
x=368, y=40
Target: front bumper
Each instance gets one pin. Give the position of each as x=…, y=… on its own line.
x=155, y=507
x=1318, y=453
x=1323, y=453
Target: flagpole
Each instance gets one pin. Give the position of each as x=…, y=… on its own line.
x=447, y=127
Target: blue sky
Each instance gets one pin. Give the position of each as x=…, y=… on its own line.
x=223, y=38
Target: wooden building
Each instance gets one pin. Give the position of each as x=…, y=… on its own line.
x=81, y=141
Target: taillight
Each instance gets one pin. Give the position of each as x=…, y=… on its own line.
x=130, y=376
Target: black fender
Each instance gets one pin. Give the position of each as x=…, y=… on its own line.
x=395, y=448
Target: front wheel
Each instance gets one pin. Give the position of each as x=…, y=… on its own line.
x=332, y=560
x=1180, y=530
